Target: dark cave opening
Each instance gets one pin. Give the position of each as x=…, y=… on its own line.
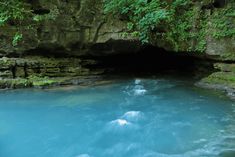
x=152, y=60
x=133, y=59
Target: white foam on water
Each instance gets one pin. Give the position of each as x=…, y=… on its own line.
x=83, y=155
x=138, y=92
x=120, y=122
x=202, y=140
x=137, y=81
x=208, y=149
x=121, y=126
x=202, y=152
x=224, y=119
x=137, y=89
x=133, y=115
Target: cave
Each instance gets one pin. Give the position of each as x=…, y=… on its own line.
x=151, y=60
x=117, y=78
x=123, y=58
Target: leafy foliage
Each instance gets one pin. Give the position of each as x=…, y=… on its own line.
x=12, y=10
x=224, y=27
x=18, y=14
x=18, y=36
x=169, y=21
x=176, y=22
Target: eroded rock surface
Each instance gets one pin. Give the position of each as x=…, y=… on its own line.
x=62, y=32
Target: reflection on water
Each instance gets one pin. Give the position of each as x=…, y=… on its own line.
x=126, y=118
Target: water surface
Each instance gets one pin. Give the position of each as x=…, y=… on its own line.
x=125, y=118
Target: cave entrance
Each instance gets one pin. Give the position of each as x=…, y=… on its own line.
x=151, y=60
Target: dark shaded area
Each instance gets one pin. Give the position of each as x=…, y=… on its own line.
x=41, y=11
x=49, y=50
x=152, y=60
x=37, y=8
x=220, y=3
x=215, y=4
x=117, y=47
x=132, y=58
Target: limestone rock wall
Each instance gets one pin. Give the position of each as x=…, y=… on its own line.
x=57, y=25
x=43, y=66
x=38, y=70
x=60, y=32
x=75, y=27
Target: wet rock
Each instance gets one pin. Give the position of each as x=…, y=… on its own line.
x=225, y=67
x=224, y=81
x=53, y=47
x=65, y=28
x=20, y=72
x=39, y=71
x=6, y=63
x=6, y=74
x=14, y=83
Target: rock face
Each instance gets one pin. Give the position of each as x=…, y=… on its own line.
x=54, y=39
x=38, y=70
x=62, y=32
x=60, y=26
x=223, y=80
x=43, y=66
x=80, y=28
x=220, y=36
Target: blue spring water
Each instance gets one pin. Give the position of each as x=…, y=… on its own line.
x=125, y=118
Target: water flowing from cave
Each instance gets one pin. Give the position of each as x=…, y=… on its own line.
x=125, y=118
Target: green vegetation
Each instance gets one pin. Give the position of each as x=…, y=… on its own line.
x=41, y=81
x=221, y=78
x=15, y=83
x=18, y=36
x=225, y=26
x=19, y=14
x=177, y=22
x=156, y=19
x=32, y=81
x=13, y=10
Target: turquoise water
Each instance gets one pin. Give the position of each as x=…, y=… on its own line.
x=125, y=118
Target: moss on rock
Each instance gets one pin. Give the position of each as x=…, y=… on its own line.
x=15, y=83
x=223, y=81
x=42, y=81
x=33, y=81
x=222, y=78
x=225, y=67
